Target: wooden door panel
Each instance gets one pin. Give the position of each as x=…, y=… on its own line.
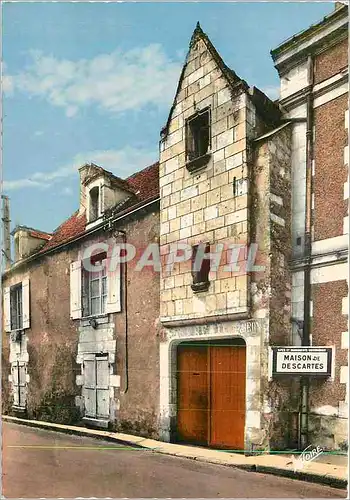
x=90, y=402
x=102, y=403
x=102, y=381
x=89, y=373
x=102, y=373
x=192, y=394
x=228, y=373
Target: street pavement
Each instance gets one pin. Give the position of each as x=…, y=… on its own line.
x=41, y=463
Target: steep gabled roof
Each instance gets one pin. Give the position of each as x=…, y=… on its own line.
x=232, y=78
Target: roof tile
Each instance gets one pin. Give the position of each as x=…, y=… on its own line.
x=144, y=183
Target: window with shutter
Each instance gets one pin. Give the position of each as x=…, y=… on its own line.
x=26, y=304
x=200, y=267
x=95, y=287
x=16, y=307
x=114, y=304
x=7, y=309
x=75, y=290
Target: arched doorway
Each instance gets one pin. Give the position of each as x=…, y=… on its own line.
x=211, y=379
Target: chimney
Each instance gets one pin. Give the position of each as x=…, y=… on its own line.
x=6, y=238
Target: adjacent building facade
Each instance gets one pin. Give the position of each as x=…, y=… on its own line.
x=313, y=68
x=240, y=235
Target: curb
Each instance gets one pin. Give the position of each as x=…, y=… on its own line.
x=79, y=431
x=310, y=477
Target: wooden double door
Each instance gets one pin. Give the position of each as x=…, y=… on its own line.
x=96, y=386
x=211, y=394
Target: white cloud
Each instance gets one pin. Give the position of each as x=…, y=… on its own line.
x=6, y=80
x=115, y=82
x=122, y=162
x=7, y=84
x=67, y=190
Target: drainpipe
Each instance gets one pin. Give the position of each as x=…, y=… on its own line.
x=304, y=381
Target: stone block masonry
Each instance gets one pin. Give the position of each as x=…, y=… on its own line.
x=202, y=206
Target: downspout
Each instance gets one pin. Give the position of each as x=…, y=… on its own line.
x=304, y=382
x=126, y=388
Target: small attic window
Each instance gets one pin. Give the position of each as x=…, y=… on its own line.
x=198, y=139
x=94, y=203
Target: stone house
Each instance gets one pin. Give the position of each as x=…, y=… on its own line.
x=239, y=206
x=225, y=179
x=78, y=342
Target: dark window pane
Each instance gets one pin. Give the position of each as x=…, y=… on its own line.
x=16, y=307
x=200, y=264
x=198, y=135
x=94, y=203
x=104, y=286
x=95, y=288
x=103, y=307
x=95, y=306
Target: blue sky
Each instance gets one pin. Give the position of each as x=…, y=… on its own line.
x=94, y=82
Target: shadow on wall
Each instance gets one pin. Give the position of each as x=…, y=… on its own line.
x=52, y=388
x=6, y=397
x=143, y=427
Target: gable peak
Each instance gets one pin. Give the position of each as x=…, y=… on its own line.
x=197, y=33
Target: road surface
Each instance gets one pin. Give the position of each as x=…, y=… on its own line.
x=41, y=463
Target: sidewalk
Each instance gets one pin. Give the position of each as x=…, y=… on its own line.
x=331, y=470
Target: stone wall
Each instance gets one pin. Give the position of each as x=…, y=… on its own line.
x=271, y=288
x=137, y=399
x=54, y=344
x=51, y=340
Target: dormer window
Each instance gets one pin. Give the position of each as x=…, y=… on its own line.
x=198, y=137
x=100, y=191
x=94, y=203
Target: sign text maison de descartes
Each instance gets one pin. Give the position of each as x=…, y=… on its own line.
x=315, y=361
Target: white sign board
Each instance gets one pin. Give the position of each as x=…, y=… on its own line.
x=315, y=361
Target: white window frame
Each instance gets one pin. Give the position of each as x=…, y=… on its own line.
x=20, y=307
x=92, y=207
x=98, y=183
x=90, y=277
x=79, y=306
x=16, y=307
